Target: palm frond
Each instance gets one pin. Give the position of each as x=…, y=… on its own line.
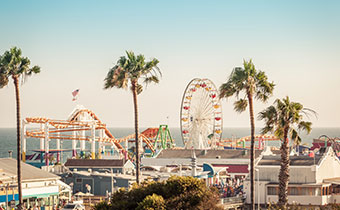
x=294, y=135
x=227, y=90
x=3, y=80
x=151, y=79
x=305, y=126
x=132, y=68
x=287, y=116
x=240, y=105
x=267, y=129
x=279, y=132
x=12, y=64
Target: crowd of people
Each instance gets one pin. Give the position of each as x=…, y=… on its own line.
x=231, y=187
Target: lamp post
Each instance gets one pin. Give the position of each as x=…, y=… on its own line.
x=111, y=181
x=7, y=188
x=258, y=188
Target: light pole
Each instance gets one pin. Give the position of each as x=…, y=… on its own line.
x=258, y=188
x=7, y=188
x=111, y=181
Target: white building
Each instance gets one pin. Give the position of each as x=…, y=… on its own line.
x=313, y=180
x=38, y=186
x=235, y=161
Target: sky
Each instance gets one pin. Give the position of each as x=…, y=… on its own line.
x=297, y=44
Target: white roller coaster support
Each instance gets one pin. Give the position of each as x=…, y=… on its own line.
x=58, y=148
x=46, y=144
x=93, y=142
x=100, y=144
x=82, y=143
x=42, y=139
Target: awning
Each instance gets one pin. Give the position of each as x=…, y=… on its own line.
x=335, y=180
x=64, y=186
x=44, y=195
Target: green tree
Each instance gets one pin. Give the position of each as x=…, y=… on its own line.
x=152, y=202
x=285, y=119
x=131, y=69
x=254, y=84
x=13, y=65
x=175, y=193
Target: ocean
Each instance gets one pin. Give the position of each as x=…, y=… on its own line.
x=8, y=138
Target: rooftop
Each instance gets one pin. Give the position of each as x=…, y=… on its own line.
x=207, y=154
x=294, y=160
x=29, y=173
x=95, y=163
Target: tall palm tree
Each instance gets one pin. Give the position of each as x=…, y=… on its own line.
x=284, y=119
x=254, y=84
x=131, y=69
x=13, y=65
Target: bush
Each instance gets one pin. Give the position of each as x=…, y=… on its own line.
x=152, y=202
x=175, y=193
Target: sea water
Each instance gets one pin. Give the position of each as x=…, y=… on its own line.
x=8, y=138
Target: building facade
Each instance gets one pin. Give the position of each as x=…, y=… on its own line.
x=313, y=181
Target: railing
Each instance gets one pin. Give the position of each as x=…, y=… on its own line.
x=231, y=200
x=92, y=200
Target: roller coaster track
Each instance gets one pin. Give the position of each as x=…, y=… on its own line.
x=62, y=126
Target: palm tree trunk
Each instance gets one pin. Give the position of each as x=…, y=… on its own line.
x=134, y=92
x=252, y=151
x=17, y=95
x=284, y=171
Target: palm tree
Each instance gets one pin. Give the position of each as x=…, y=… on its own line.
x=284, y=119
x=131, y=69
x=13, y=65
x=254, y=84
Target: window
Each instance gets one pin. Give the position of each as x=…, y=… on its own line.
x=272, y=191
x=78, y=181
x=293, y=191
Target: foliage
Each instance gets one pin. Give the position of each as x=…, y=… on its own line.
x=175, y=193
x=285, y=119
x=152, y=202
x=286, y=115
x=12, y=64
x=252, y=84
x=249, y=81
x=131, y=69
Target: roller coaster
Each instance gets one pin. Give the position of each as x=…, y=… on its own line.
x=77, y=127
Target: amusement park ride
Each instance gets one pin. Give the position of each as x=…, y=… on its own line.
x=77, y=127
x=201, y=115
x=200, y=119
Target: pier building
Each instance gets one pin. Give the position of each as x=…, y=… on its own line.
x=39, y=187
x=313, y=181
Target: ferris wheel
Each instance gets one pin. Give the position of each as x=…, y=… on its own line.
x=201, y=115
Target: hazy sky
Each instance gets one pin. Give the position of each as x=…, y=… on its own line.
x=297, y=43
